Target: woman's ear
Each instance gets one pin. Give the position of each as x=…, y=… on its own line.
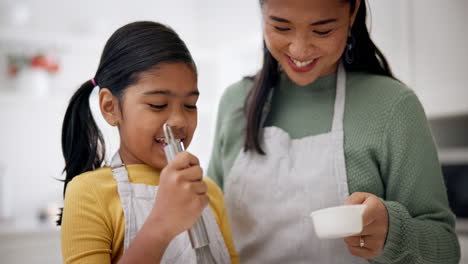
x=355, y=11
x=109, y=105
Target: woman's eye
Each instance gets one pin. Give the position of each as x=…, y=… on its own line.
x=281, y=29
x=191, y=107
x=159, y=107
x=322, y=33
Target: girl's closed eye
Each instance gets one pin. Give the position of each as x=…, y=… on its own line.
x=162, y=106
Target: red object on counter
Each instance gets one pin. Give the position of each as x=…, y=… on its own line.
x=45, y=62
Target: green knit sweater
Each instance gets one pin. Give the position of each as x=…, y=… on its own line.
x=389, y=152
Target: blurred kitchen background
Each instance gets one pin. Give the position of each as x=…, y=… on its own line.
x=49, y=47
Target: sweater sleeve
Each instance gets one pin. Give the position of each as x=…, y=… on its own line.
x=215, y=167
x=421, y=224
x=86, y=233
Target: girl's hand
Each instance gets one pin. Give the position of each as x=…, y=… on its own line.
x=181, y=195
x=375, y=221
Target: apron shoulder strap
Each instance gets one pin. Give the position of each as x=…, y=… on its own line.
x=119, y=170
x=339, y=109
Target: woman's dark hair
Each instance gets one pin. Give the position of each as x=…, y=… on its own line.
x=130, y=51
x=367, y=58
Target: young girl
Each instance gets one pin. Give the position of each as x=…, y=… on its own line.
x=136, y=210
x=322, y=124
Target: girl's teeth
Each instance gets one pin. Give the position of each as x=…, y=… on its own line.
x=302, y=63
x=161, y=140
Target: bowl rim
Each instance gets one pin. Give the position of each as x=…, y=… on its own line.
x=314, y=213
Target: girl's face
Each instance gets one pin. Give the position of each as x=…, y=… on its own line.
x=307, y=37
x=167, y=94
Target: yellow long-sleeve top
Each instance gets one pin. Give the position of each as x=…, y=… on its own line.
x=93, y=224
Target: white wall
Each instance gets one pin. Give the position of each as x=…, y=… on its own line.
x=424, y=41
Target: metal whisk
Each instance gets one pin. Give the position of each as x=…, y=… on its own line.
x=197, y=234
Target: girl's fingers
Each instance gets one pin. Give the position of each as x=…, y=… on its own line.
x=184, y=160
x=192, y=174
x=204, y=200
x=199, y=187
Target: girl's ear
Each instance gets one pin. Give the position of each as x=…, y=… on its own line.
x=109, y=105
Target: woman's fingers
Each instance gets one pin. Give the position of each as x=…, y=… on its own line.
x=363, y=246
x=370, y=242
x=357, y=198
x=362, y=252
x=369, y=200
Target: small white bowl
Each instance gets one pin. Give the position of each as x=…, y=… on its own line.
x=339, y=221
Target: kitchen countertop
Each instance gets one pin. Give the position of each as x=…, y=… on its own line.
x=27, y=226
x=40, y=241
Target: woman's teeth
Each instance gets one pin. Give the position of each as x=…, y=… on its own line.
x=302, y=63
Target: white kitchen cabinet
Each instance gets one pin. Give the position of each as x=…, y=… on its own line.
x=439, y=54
x=391, y=34
x=425, y=43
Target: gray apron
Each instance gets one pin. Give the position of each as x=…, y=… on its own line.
x=137, y=202
x=269, y=198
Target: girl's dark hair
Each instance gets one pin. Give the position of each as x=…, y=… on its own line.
x=130, y=51
x=367, y=58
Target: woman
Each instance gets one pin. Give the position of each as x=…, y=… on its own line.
x=325, y=123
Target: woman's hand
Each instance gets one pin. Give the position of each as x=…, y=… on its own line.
x=375, y=221
x=181, y=195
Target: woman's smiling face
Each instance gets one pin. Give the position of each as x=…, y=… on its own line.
x=307, y=37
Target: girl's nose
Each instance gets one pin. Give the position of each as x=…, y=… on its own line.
x=177, y=120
